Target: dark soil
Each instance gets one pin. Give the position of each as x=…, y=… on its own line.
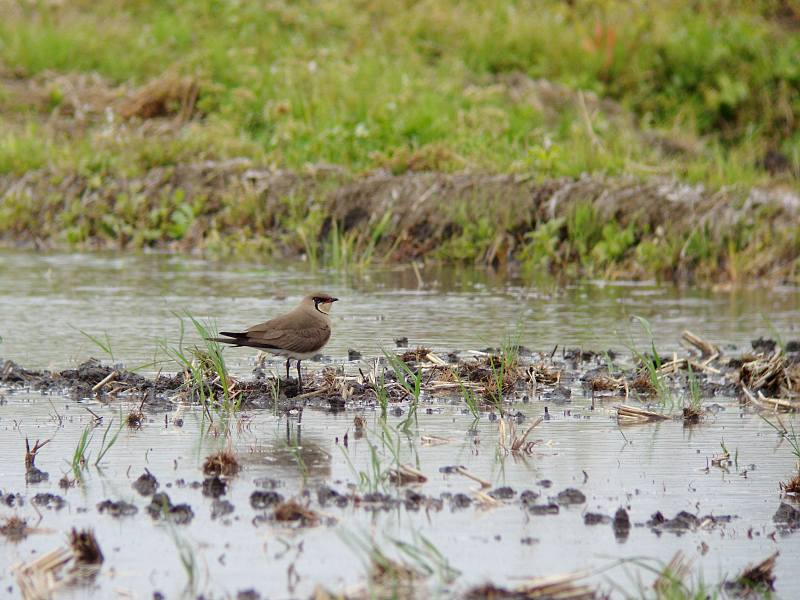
x=85, y=547
x=48, y=500
x=118, y=508
x=161, y=507
x=146, y=484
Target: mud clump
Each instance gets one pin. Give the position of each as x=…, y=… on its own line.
x=692, y=415
x=570, y=496
x=459, y=501
x=621, y=524
x=161, y=507
x=293, y=511
x=85, y=548
x=214, y=487
x=117, y=509
x=50, y=501
x=591, y=518
x=14, y=529
x=502, y=493
x=223, y=462
x=684, y=521
x=543, y=509
x=221, y=508
x=787, y=517
x=264, y=499
x=326, y=495
x=146, y=484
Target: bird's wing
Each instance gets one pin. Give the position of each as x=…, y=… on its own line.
x=287, y=332
x=307, y=339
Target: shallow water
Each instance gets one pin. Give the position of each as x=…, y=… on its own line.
x=44, y=300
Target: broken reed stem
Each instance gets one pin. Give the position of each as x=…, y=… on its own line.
x=637, y=415
x=466, y=473
x=107, y=379
x=707, y=349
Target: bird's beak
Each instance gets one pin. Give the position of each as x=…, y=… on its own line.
x=334, y=299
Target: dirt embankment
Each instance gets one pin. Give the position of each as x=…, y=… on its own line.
x=663, y=227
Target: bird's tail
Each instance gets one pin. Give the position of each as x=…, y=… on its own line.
x=232, y=339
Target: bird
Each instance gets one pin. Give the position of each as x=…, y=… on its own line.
x=298, y=334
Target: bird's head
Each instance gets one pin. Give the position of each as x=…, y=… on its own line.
x=320, y=301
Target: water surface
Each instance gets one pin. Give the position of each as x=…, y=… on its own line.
x=46, y=299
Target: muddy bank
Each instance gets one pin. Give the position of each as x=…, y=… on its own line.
x=767, y=377
x=614, y=228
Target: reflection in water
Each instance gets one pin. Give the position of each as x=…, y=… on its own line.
x=291, y=453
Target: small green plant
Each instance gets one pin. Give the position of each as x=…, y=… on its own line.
x=651, y=363
x=186, y=555
x=411, y=381
x=503, y=367
x=426, y=557
x=79, y=455
x=206, y=368
x=381, y=394
x=106, y=443
x=470, y=399
x=103, y=343
x=787, y=434
x=695, y=395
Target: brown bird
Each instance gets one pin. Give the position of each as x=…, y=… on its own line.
x=298, y=334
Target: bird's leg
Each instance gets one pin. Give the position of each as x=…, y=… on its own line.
x=299, y=380
x=287, y=368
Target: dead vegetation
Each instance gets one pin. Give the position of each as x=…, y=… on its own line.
x=755, y=580
x=87, y=97
x=223, y=463
x=792, y=486
x=631, y=414
x=406, y=474
x=43, y=577
x=514, y=444
x=32, y=473
x=85, y=549
x=563, y=587
x=771, y=381
x=135, y=418
x=291, y=511
x=14, y=528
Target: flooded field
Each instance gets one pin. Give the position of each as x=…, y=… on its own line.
x=334, y=497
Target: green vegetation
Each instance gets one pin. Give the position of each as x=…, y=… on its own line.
x=80, y=456
x=208, y=381
x=411, y=381
x=113, y=101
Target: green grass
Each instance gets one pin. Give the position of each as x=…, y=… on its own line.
x=210, y=383
x=81, y=454
x=697, y=91
x=429, y=84
x=411, y=381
